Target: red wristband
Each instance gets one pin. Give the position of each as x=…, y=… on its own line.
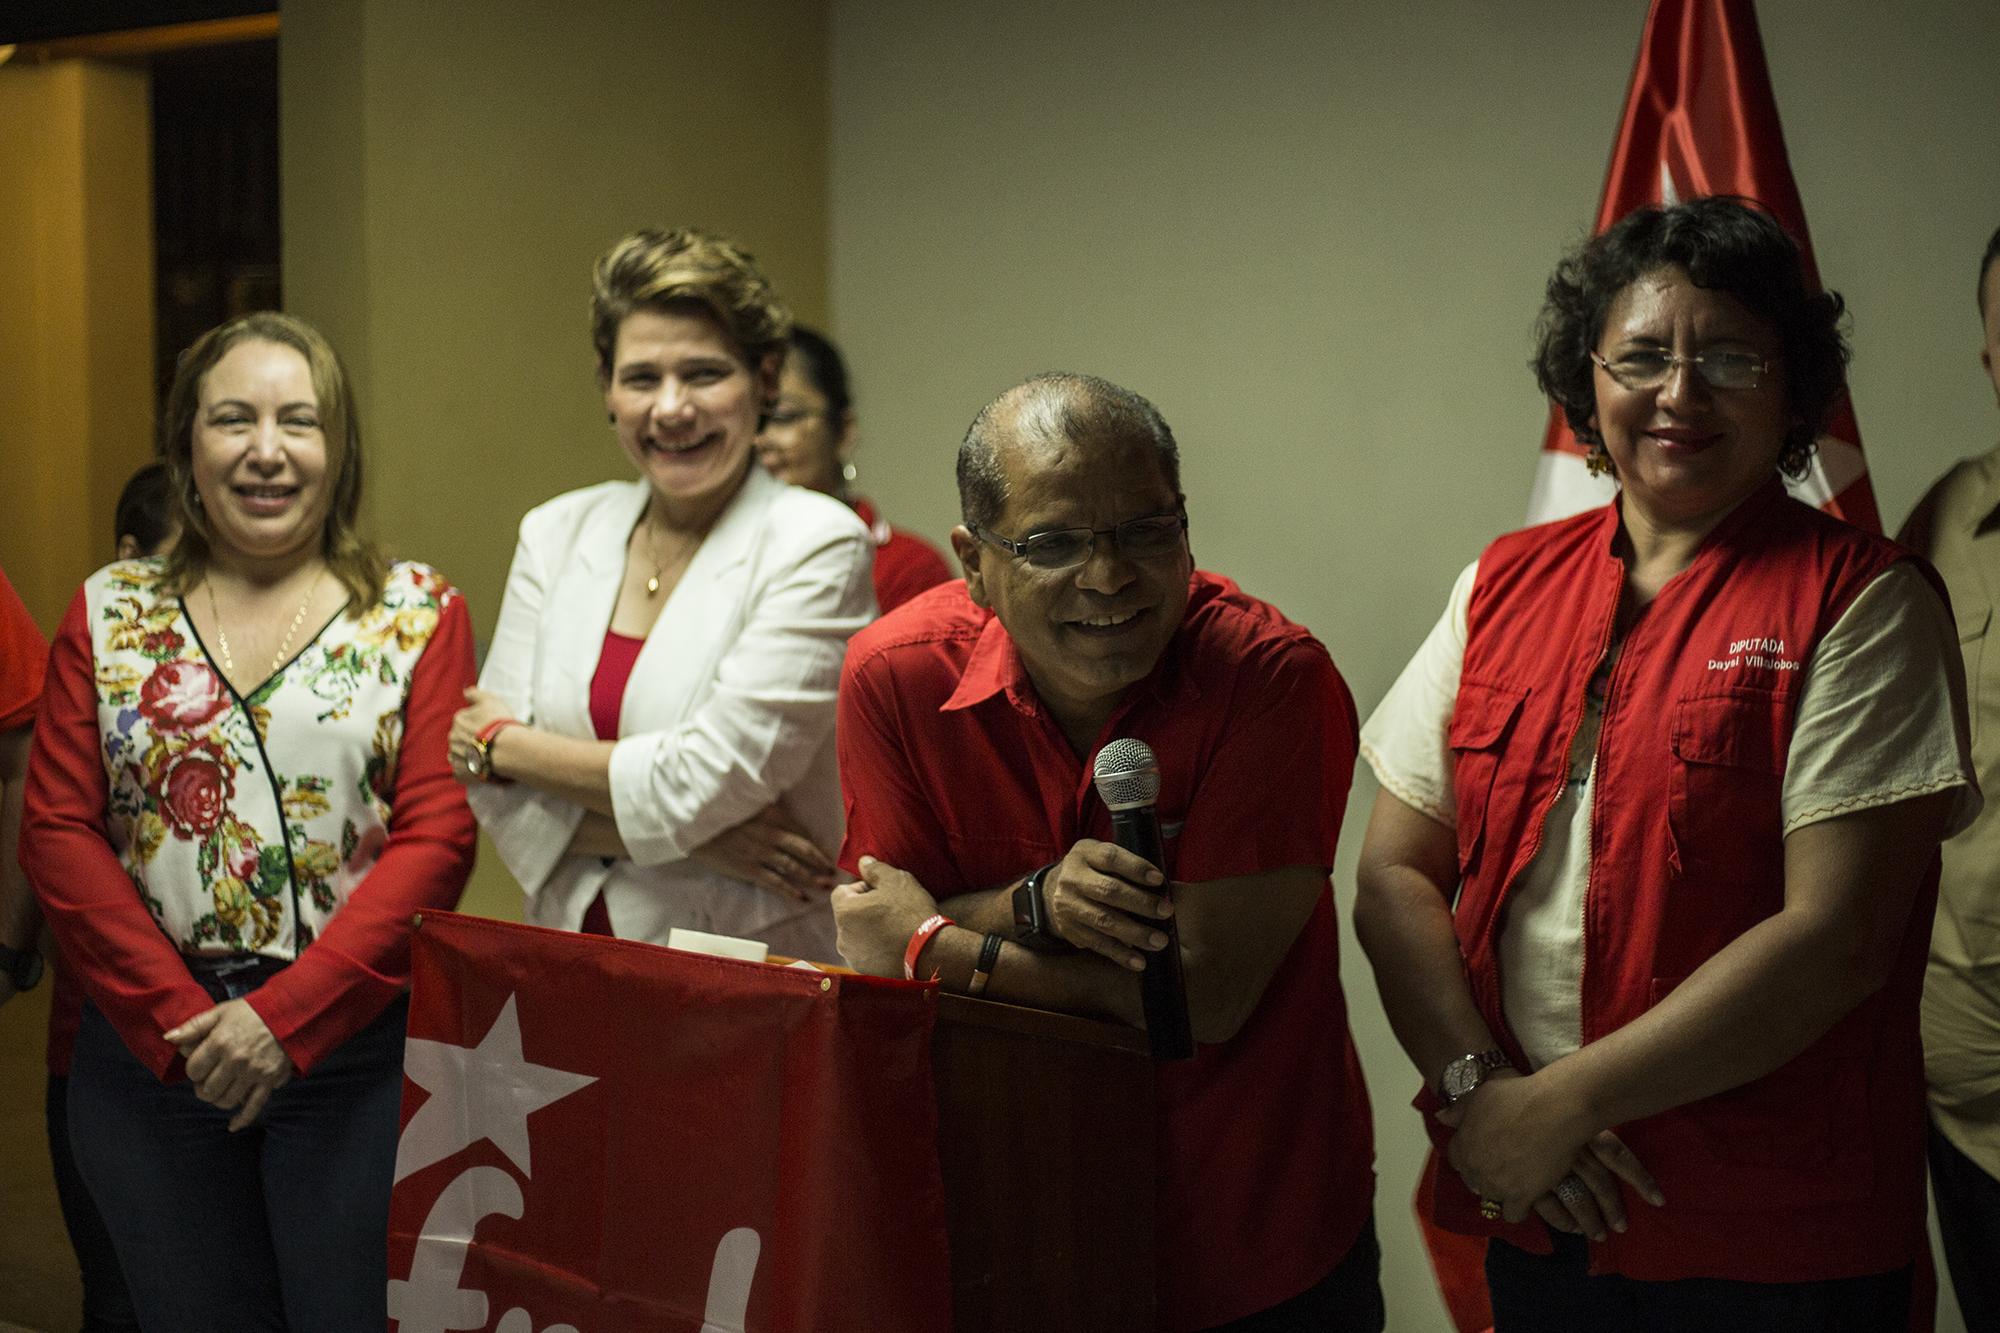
x=932, y=925
x=483, y=743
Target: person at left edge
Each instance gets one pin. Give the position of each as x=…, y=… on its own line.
x=23, y=657
x=969, y=718
x=652, y=743
x=237, y=800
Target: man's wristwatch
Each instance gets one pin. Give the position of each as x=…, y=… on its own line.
x=1032, y=927
x=21, y=967
x=1467, y=1072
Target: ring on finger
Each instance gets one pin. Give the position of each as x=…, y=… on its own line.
x=1571, y=1189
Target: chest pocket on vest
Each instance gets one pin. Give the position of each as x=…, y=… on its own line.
x=1482, y=718
x=1724, y=808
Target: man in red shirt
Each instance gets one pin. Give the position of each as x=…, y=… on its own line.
x=968, y=721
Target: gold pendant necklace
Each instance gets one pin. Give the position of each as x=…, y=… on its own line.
x=283, y=654
x=660, y=567
x=653, y=549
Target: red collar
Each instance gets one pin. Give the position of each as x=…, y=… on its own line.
x=995, y=667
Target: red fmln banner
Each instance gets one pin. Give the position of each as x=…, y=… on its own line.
x=1700, y=119
x=601, y=1135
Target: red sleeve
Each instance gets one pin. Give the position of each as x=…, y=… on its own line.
x=131, y=971
x=905, y=566
x=361, y=961
x=1275, y=790
x=23, y=659
x=889, y=816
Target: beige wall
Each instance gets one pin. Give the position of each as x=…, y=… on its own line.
x=451, y=170
x=1316, y=234
x=76, y=316
x=76, y=416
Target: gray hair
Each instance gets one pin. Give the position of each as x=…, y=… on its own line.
x=1051, y=409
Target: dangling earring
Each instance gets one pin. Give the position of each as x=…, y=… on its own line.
x=847, y=473
x=1597, y=462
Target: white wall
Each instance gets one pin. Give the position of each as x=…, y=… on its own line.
x=1316, y=235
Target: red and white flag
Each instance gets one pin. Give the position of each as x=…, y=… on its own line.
x=601, y=1136
x=1701, y=119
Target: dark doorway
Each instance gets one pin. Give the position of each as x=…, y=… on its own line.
x=215, y=190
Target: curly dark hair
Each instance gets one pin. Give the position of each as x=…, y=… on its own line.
x=1724, y=244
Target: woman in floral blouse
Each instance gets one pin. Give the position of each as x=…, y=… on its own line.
x=239, y=795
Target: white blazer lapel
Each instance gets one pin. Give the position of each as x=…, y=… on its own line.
x=580, y=607
x=702, y=615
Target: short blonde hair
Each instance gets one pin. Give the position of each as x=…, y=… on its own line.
x=655, y=269
x=354, y=560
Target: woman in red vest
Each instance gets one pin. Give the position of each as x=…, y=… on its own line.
x=1648, y=885
x=808, y=440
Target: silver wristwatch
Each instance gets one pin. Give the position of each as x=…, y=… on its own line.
x=1467, y=1072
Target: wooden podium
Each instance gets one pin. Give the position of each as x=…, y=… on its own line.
x=1046, y=1143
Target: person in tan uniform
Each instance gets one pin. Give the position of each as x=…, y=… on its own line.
x=1957, y=526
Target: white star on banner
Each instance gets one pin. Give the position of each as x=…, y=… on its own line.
x=482, y=1092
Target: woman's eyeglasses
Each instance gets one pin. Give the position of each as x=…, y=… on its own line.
x=1651, y=367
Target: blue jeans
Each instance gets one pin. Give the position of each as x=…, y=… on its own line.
x=1557, y=1293
x=106, y=1306
x=283, y=1226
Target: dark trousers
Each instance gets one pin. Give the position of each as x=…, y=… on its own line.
x=1968, y=1209
x=1347, y=1300
x=283, y=1226
x=1555, y=1293
x=107, y=1308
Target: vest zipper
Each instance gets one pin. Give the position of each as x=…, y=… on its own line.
x=1596, y=755
x=1541, y=823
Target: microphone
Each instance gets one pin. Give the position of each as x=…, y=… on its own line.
x=1128, y=781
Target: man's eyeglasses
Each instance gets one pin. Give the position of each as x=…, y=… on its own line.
x=1650, y=367
x=1142, y=538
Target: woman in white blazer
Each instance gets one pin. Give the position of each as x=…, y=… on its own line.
x=651, y=742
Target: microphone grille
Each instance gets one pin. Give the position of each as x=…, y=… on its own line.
x=1126, y=774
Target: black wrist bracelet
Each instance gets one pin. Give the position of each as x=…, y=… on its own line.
x=982, y=971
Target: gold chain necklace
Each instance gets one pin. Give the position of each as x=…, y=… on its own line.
x=284, y=649
x=659, y=568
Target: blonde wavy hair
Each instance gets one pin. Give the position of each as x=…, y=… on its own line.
x=655, y=268
x=354, y=560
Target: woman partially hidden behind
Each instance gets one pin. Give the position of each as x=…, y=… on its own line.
x=1649, y=883
x=238, y=798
